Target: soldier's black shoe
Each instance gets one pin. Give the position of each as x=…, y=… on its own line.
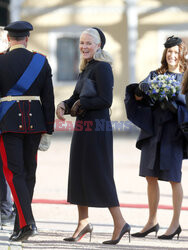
x=13, y=234
x=24, y=233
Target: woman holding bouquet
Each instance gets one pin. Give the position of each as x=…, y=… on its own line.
x=158, y=111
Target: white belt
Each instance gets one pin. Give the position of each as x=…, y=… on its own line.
x=19, y=98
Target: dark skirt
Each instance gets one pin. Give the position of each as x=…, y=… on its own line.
x=172, y=174
x=91, y=181
x=162, y=154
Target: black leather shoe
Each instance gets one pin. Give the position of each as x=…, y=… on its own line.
x=125, y=229
x=142, y=235
x=13, y=234
x=87, y=229
x=24, y=233
x=170, y=236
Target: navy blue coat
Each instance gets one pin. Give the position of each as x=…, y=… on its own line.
x=162, y=143
x=91, y=180
x=25, y=116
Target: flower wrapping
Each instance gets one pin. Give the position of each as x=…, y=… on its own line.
x=163, y=87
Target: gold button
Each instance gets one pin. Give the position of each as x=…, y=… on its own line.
x=30, y=114
x=31, y=126
x=20, y=114
x=20, y=126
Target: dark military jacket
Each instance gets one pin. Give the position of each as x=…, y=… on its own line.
x=26, y=116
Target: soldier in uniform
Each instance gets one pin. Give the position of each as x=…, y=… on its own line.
x=26, y=121
x=6, y=205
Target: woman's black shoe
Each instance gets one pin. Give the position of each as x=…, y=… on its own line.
x=87, y=229
x=170, y=236
x=126, y=229
x=153, y=229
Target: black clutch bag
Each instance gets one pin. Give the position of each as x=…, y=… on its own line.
x=88, y=88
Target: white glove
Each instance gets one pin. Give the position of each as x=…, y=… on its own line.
x=45, y=142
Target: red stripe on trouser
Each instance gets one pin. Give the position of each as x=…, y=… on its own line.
x=9, y=177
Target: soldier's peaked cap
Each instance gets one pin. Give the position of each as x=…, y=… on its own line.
x=19, y=28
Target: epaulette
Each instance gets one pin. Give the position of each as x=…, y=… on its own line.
x=35, y=52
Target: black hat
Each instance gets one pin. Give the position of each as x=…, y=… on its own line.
x=172, y=41
x=102, y=37
x=19, y=29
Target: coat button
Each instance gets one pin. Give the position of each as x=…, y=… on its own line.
x=30, y=114
x=20, y=114
x=20, y=126
x=31, y=126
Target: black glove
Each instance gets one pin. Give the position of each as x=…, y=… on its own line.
x=170, y=105
x=138, y=92
x=144, y=87
x=141, y=89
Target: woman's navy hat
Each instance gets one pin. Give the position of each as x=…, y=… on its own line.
x=172, y=41
x=102, y=37
x=19, y=29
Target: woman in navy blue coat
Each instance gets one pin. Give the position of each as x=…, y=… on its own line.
x=91, y=182
x=161, y=141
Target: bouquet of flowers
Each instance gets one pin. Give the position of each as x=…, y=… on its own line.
x=163, y=87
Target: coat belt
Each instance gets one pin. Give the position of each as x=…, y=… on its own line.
x=19, y=98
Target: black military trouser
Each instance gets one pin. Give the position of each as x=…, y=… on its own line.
x=19, y=157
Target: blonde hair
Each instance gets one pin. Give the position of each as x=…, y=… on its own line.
x=100, y=54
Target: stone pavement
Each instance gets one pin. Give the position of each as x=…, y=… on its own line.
x=56, y=221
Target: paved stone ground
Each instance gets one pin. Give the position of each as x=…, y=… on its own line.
x=56, y=221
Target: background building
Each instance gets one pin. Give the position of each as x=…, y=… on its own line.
x=4, y=12
x=135, y=32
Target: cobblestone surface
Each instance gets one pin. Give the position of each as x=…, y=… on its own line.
x=56, y=221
